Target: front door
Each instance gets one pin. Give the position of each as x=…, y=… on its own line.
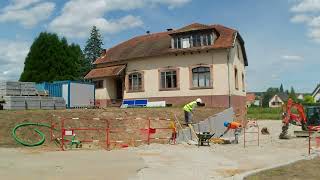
x=119, y=87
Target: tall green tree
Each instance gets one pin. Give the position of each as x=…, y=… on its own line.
x=93, y=46
x=281, y=88
x=292, y=94
x=52, y=59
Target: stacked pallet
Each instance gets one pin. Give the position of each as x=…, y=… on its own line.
x=33, y=102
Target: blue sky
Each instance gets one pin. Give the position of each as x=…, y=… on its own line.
x=282, y=36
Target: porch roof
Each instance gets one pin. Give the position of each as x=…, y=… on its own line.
x=105, y=72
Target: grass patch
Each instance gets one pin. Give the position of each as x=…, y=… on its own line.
x=301, y=170
x=264, y=113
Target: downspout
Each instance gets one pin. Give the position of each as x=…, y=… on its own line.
x=229, y=82
x=212, y=80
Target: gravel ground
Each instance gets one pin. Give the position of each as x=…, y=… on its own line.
x=221, y=161
x=157, y=161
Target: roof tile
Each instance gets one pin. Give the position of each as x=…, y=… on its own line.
x=157, y=44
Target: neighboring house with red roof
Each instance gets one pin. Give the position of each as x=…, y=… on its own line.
x=278, y=100
x=177, y=66
x=250, y=99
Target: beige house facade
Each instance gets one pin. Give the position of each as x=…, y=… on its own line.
x=177, y=66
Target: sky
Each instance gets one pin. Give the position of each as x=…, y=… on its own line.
x=282, y=37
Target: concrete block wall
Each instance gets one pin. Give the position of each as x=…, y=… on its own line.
x=213, y=124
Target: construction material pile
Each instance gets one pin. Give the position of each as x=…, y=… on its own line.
x=12, y=88
x=23, y=95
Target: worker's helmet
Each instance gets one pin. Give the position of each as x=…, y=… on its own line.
x=199, y=100
x=226, y=124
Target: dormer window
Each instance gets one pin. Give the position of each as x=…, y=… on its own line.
x=192, y=40
x=186, y=42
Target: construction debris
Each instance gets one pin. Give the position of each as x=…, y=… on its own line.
x=265, y=131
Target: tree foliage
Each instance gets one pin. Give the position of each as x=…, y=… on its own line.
x=51, y=59
x=308, y=99
x=293, y=95
x=281, y=88
x=93, y=46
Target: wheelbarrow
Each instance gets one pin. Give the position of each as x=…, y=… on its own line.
x=204, y=138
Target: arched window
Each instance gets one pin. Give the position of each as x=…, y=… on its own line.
x=135, y=81
x=201, y=77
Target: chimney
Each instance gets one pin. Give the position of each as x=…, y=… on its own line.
x=148, y=32
x=169, y=29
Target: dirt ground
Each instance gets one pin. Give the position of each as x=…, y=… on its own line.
x=130, y=119
x=157, y=161
x=301, y=170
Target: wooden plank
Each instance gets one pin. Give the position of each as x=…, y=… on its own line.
x=302, y=133
x=192, y=130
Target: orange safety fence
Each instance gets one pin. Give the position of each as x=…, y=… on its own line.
x=254, y=130
x=313, y=139
x=141, y=131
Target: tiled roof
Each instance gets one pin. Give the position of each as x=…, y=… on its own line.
x=316, y=90
x=191, y=27
x=157, y=44
x=105, y=72
x=250, y=97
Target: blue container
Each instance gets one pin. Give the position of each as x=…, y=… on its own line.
x=54, y=89
x=72, y=95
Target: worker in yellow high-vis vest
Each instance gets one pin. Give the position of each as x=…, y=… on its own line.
x=188, y=108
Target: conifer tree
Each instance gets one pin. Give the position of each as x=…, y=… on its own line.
x=93, y=46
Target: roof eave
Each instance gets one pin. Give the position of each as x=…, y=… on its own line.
x=243, y=49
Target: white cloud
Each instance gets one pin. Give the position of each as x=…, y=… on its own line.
x=309, y=14
x=315, y=34
x=12, y=56
x=27, y=12
x=306, y=6
x=292, y=58
x=301, y=18
x=78, y=16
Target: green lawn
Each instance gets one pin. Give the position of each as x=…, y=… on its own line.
x=264, y=113
x=301, y=170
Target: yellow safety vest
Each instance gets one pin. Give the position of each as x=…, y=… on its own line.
x=189, y=107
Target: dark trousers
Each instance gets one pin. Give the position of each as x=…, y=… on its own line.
x=187, y=117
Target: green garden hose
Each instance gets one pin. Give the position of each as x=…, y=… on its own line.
x=36, y=130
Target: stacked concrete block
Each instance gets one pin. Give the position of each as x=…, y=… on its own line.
x=28, y=89
x=10, y=88
x=213, y=124
x=59, y=103
x=22, y=95
x=47, y=103
x=32, y=102
x=14, y=103
x=13, y=88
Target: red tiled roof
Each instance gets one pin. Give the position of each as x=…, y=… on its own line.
x=157, y=44
x=191, y=27
x=250, y=97
x=105, y=72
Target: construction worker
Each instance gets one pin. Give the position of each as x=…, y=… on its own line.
x=173, y=138
x=188, y=108
x=236, y=127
